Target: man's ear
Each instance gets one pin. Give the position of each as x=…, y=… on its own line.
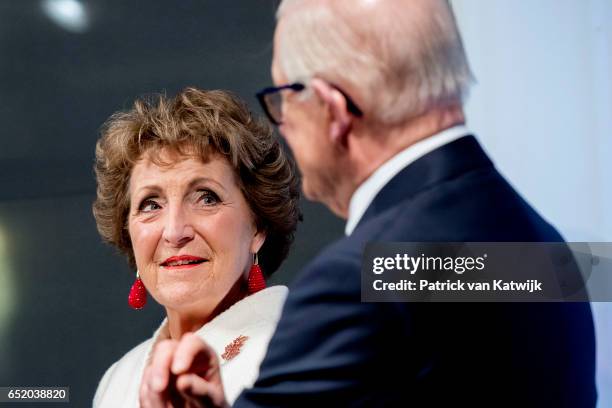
x=340, y=118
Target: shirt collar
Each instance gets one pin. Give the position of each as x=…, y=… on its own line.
x=256, y=310
x=367, y=191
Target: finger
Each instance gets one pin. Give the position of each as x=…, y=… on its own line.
x=160, y=365
x=147, y=397
x=200, y=392
x=194, y=355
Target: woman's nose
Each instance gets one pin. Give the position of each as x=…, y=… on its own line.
x=177, y=229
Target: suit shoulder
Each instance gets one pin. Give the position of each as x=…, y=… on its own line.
x=126, y=366
x=120, y=382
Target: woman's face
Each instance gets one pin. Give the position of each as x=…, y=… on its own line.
x=192, y=231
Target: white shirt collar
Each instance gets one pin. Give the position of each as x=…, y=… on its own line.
x=365, y=193
x=256, y=310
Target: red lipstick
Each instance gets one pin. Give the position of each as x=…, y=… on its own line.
x=182, y=262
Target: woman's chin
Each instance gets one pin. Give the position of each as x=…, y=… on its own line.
x=179, y=295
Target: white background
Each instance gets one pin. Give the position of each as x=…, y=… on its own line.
x=542, y=107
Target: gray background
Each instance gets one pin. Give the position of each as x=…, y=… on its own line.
x=64, y=316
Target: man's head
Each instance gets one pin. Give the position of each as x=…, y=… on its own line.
x=396, y=60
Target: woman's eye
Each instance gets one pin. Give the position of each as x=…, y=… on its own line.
x=148, y=206
x=207, y=197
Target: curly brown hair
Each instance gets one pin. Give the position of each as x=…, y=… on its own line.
x=199, y=123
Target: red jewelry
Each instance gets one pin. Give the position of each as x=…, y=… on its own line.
x=256, y=278
x=233, y=349
x=138, y=294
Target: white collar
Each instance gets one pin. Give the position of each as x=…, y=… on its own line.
x=365, y=193
x=259, y=308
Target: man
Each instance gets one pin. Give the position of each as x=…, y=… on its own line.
x=369, y=97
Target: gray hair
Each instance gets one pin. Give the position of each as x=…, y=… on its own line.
x=397, y=58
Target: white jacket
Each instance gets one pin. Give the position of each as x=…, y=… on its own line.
x=255, y=317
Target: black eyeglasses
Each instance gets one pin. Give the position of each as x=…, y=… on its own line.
x=271, y=101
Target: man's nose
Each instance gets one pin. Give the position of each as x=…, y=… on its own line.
x=178, y=229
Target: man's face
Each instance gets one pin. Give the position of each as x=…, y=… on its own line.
x=304, y=127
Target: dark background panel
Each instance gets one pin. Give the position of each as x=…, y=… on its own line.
x=64, y=316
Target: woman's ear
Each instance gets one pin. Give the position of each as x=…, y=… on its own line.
x=340, y=119
x=258, y=240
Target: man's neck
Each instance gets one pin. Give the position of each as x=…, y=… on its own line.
x=370, y=146
x=376, y=145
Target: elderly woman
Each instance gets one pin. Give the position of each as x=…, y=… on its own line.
x=200, y=198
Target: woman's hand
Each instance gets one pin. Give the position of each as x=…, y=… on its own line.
x=183, y=373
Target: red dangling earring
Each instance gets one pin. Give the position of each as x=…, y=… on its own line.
x=256, y=278
x=138, y=294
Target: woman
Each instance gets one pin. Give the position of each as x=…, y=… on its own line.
x=195, y=192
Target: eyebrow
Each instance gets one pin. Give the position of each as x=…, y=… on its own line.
x=199, y=180
x=192, y=184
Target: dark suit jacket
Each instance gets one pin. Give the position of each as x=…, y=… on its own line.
x=330, y=349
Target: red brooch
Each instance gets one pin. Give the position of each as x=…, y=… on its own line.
x=233, y=349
